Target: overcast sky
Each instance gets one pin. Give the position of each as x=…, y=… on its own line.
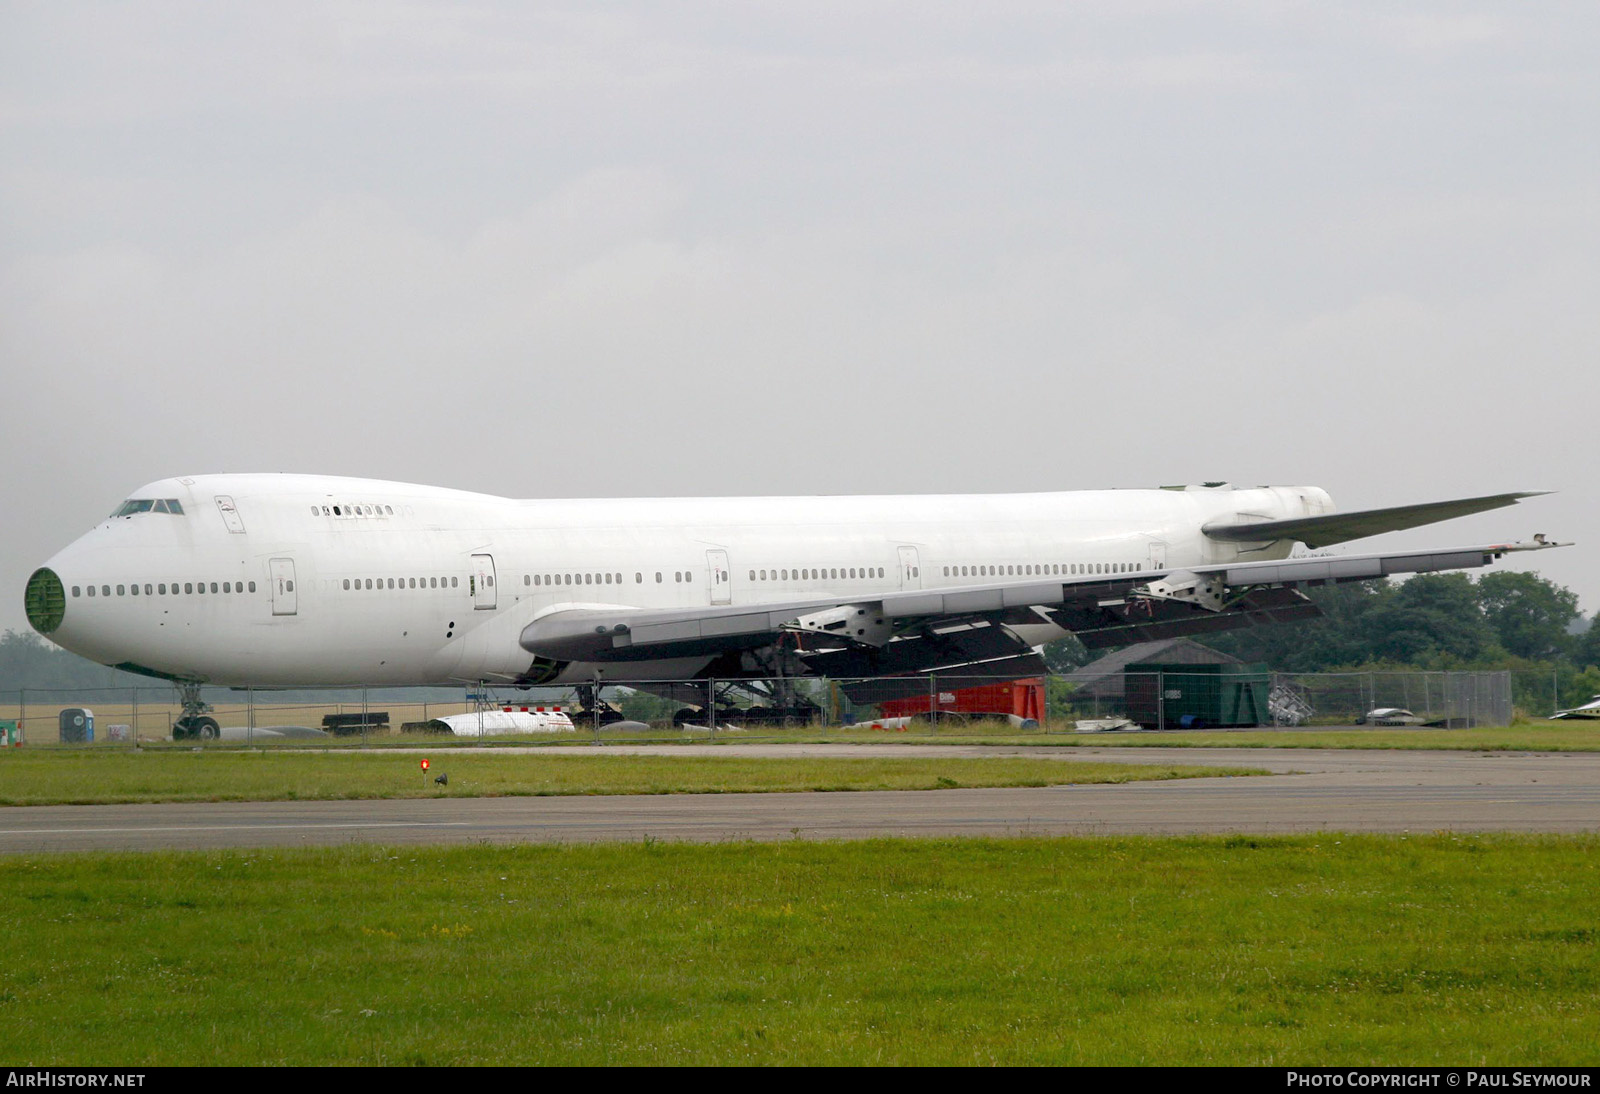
x=584, y=249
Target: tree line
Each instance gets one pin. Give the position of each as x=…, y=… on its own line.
x=1503, y=620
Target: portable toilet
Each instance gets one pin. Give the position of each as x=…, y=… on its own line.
x=77, y=726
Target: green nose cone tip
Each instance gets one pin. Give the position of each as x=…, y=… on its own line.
x=45, y=600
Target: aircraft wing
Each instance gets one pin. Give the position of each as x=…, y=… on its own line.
x=1325, y=531
x=923, y=629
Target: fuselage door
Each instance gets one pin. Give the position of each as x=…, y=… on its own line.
x=281, y=571
x=721, y=584
x=910, y=569
x=482, y=580
x=1158, y=555
x=230, y=514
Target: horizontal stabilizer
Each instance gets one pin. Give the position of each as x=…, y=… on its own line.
x=1324, y=531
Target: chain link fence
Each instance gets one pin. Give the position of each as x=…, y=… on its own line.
x=1202, y=699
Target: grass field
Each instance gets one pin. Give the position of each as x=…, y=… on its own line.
x=1310, y=950
x=53, y=776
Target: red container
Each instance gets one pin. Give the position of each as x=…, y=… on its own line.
x=1023, y=698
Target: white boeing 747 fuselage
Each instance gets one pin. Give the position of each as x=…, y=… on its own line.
x=283, y=580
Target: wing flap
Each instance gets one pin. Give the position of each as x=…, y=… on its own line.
x=1090, y=604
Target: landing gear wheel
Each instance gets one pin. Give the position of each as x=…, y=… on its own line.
x=206, y=729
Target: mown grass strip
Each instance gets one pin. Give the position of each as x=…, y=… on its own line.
x=62, y=777
x=1534, y=737
x=1332, y=950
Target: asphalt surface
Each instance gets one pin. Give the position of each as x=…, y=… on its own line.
x=1311, y=790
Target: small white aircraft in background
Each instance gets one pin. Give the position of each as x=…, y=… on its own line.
x=301, y=580
x=1591, y=709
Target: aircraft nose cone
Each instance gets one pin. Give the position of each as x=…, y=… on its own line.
x=45, y=600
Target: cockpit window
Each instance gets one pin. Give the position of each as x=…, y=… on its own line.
x=148, y=505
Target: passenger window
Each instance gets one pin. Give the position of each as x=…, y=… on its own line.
x=147, y=589
x=638, y=577
x=76, y=590
x=658, y=577
x=688, y=575
x=122, y=590
x=388, y=511
x=455, y=582
x=786, y=575
x=91, y=590
x=252, y=586
x=213, y=586
x=347, y=583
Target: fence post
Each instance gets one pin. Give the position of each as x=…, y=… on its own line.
x=133, y=716
x=711, y=707
x=22, y=714
x=250, y=715
x=1161, y=699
